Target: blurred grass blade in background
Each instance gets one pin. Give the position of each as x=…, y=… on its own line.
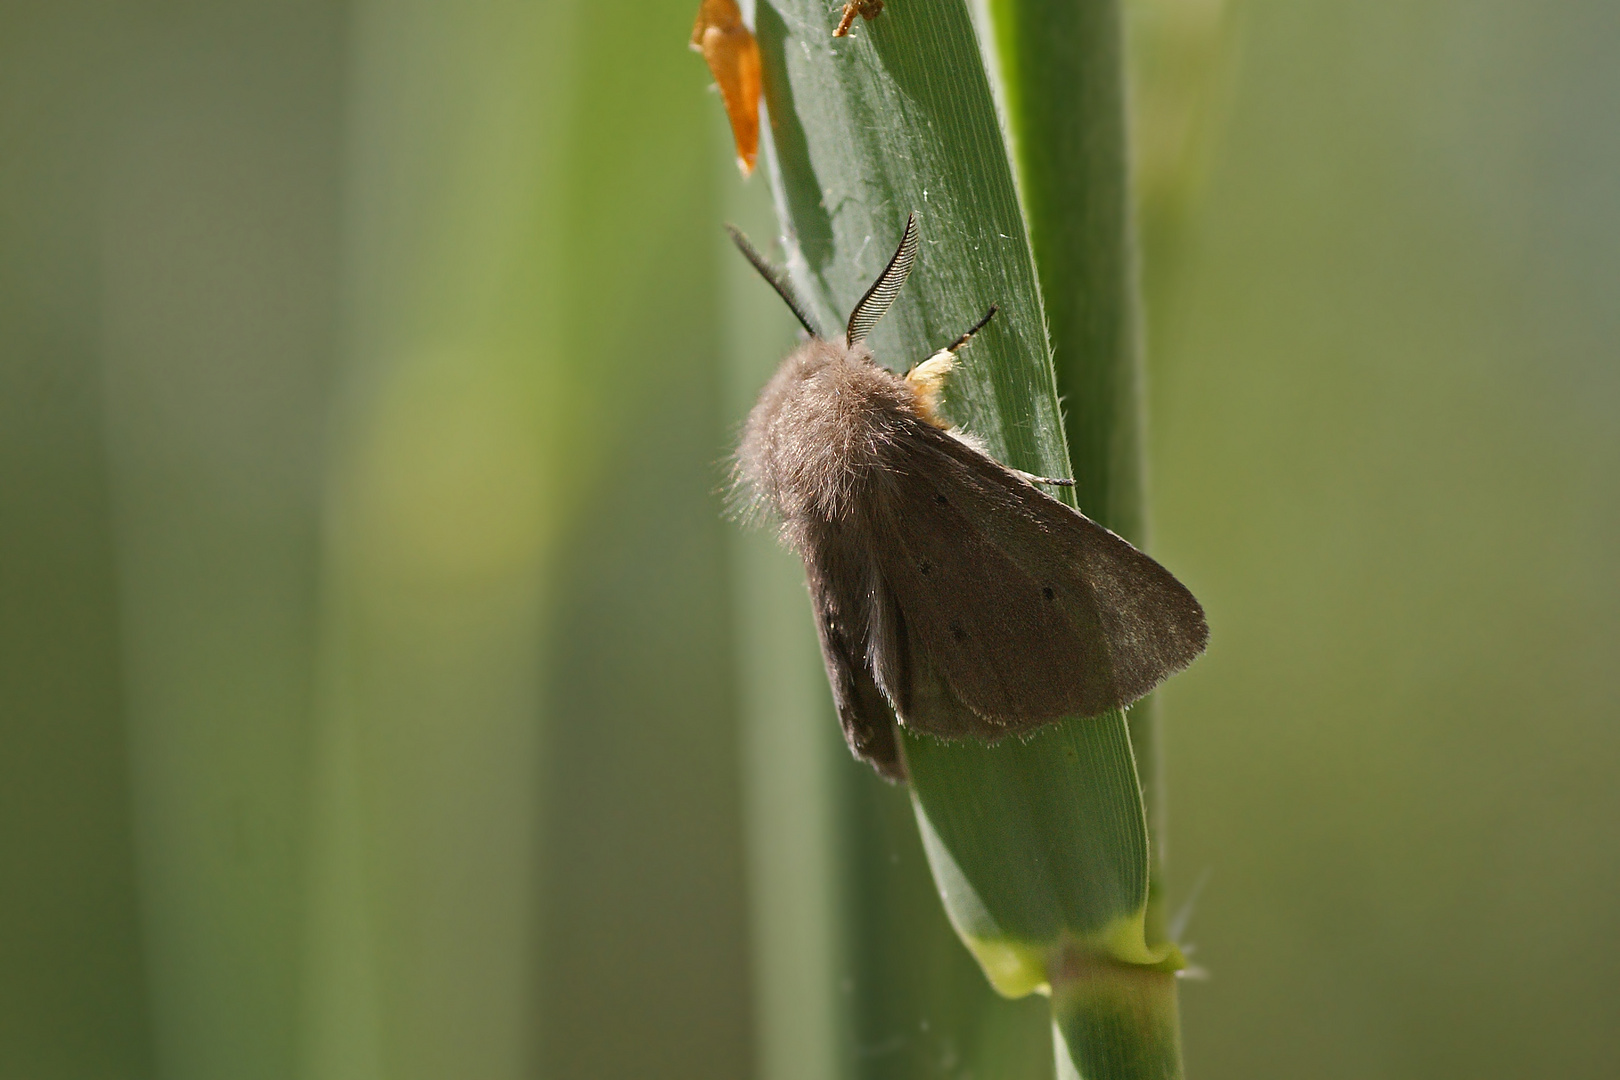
x=1039, y=848
x=444, y=507
x=218, y=303
x=1181, y=59
x=531, y=837
x=74, y=970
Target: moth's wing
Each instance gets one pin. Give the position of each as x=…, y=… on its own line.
x=982, y=637
x=923, y=691
x=1024, y=609
x=1152, y=623
x=843, y=582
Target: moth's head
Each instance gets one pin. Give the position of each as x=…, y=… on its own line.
x=858, y=353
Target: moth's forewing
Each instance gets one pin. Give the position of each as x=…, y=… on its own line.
x=1018, y=649
x=1025, y=609
x=929, y=703
x=1152, y=625
x=839, y=595
x=1151, y=622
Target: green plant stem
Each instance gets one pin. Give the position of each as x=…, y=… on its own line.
x=1062, y=66
x=1039, y=848
x=1114, y=1020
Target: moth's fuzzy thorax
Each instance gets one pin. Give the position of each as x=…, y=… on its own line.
x=818, y=433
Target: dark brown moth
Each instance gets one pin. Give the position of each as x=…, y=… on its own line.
x=950, y=592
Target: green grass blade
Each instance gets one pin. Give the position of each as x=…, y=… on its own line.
x=1039, y=848
x=1062, y=65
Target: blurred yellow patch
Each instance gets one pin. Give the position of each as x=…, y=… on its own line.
x=449, y=482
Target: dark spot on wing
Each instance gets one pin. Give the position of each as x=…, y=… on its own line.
x=942, y=500
x=923, y=566
x=957, y=632
x=1046, y=591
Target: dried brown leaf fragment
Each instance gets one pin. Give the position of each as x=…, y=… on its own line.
x=733, y=57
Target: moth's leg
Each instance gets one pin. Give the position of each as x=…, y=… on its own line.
x=867, y=8
x=954, y=347
x=962, y=341
x=927, y=379
x=1056, y=481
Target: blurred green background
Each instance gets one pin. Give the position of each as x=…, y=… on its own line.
x=382, y=694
